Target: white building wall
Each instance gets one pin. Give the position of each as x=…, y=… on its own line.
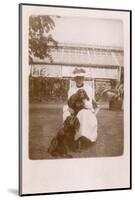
x=67, y=71
x=46, y=70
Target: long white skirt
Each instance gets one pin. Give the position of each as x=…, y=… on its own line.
x=88, y=124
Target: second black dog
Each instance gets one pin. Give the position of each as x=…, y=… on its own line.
x=64, y=139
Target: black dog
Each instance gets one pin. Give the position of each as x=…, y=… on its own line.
x=64, y=139
x=76, y=101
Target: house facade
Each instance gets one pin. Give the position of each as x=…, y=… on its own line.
x=103, y=64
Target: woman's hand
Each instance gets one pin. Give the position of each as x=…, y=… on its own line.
x=87, y=104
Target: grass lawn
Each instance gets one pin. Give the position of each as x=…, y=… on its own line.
x=45, y=121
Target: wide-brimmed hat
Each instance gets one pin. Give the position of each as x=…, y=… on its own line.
x=79, y=72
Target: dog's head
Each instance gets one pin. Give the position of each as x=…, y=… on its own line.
x=71, y=122
x=81, y=94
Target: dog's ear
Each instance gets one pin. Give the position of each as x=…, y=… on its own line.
x=77, y=94
x=86, y=96
x=67, y=122
x=60, y=133
x=76, y=123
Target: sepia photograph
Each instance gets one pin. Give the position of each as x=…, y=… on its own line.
x=75, y=93
x=76, y=87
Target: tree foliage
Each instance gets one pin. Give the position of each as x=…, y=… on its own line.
x=39, y=38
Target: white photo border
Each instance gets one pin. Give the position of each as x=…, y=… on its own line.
x=34, y=171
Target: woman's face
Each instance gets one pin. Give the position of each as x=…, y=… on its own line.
x=79, y=80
